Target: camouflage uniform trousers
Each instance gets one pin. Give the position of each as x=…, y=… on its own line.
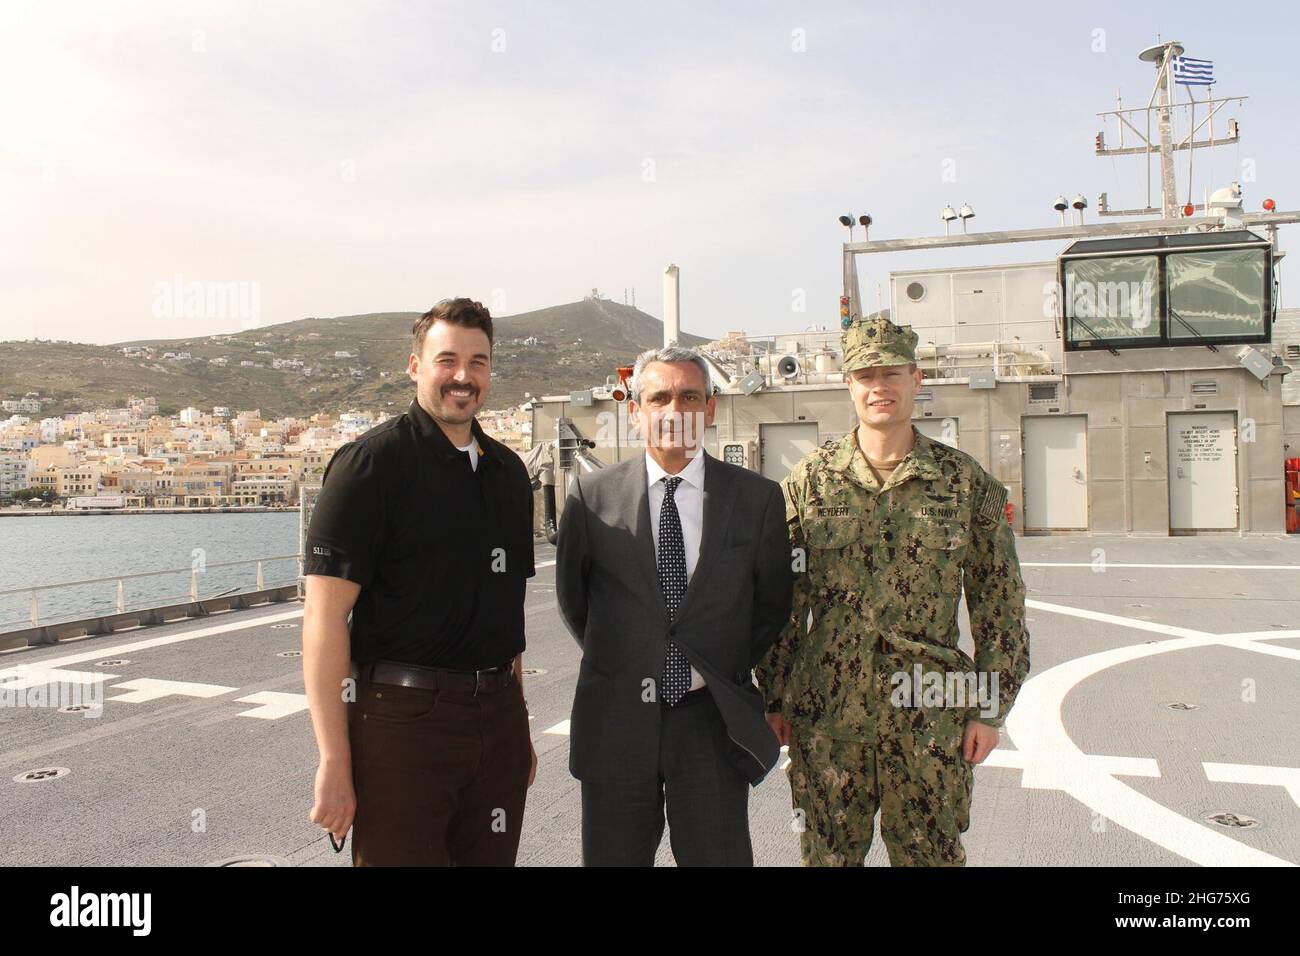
x=912, y=771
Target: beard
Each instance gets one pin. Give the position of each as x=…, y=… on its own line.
x=457, y=410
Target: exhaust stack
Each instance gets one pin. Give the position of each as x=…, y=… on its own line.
x=672, y=305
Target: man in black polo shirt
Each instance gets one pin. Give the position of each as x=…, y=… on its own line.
x=423, y=532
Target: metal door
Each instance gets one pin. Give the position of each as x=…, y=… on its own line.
x=943, y=430
x=782, y=444
x=1202, y=471
x=1056, y=472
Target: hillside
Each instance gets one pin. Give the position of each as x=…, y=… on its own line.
x=576, y=346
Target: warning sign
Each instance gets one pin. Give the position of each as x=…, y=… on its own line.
x=1200, y=443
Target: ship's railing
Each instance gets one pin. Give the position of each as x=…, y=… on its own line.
x=1010, y=349
x=111, y=595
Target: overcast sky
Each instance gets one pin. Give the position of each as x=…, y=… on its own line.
x=343, y=158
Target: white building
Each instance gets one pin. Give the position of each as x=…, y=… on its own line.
x=15, y=473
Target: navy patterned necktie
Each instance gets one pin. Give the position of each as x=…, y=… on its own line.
x=672, y=578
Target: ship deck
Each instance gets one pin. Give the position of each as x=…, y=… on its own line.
x=204, y=752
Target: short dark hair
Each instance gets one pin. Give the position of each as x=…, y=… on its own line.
x=463, y=312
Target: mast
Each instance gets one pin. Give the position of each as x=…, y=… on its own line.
x=1164, y=141
x=1164, y=83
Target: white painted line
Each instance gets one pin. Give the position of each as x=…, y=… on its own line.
x=147, y=688
x=1152, y=626
x=102, y=653
x=25, y=676
x=544, y=564
x=1290, y=653
x=1286, y=777
x=274, y=704
x=1265, y=635
x=999, y=757
x=1119, y=766
x=562, y=728
x=1125, y=766
x=1195, y=567
x=1052, y=760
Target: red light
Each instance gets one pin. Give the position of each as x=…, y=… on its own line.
x=1269, y=205
x=844, y=300
x=1188, y=209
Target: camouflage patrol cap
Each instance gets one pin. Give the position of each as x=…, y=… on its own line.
x=876, y=341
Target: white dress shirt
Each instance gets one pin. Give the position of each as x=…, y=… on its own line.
x=690, y=509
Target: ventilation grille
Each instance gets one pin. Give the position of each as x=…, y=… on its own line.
x=1043, y=393
x=1205, y=388
x=1293, y=353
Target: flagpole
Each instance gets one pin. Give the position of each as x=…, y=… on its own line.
x=1210, y=90
x=1191, y=144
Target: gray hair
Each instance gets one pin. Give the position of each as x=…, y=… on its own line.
x=671, y=353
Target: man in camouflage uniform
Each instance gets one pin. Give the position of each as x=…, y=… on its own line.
x=893, y=525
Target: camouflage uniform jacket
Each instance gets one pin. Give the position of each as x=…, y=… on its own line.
x=885, y=572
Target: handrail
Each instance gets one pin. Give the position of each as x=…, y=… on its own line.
x=120, y=602
x=146, y=574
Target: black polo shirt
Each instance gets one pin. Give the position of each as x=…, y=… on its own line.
x=441, y=551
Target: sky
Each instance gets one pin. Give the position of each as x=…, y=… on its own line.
x=294, y=159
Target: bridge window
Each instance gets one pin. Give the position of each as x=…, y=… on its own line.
x=1160, y=290
x=1112, y=299
x=1216, y=295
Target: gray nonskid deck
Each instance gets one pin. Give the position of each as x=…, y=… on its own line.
x=170, y=778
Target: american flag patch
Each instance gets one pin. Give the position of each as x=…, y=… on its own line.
x=993, y=502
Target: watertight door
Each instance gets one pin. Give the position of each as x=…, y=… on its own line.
x=783, y=444
x=1056, y=472
x=1202, y=471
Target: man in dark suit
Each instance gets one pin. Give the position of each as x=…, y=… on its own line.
x=673, y=572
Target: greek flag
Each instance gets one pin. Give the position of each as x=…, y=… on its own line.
x=1192, y=72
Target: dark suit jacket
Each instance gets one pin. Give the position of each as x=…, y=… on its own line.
x=736, y=604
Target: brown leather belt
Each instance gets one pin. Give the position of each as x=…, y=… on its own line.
x=486, y=681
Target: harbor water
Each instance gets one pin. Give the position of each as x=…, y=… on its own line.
x=42, y=550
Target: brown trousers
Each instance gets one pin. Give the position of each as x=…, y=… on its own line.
x=440, y=775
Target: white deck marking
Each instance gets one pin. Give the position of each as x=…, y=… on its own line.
x=25, y=676
x=1166, y=629
x=1119, y=766
x=562, y=728
x=117, y=650
x=1290, y=653
x=1285, y=777
x=1263, y=635
x=544, y=564
x=274, y=704
x=1052, y=760
x=147, y=688
x=1195, y=567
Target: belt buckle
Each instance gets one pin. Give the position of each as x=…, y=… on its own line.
x=478, y=679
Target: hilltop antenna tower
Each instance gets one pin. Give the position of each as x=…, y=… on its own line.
x=1160, y=108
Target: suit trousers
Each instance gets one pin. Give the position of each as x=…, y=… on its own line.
x=440, y=775
x=706, y=799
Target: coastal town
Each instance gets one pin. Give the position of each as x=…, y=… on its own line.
x=134, y=458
